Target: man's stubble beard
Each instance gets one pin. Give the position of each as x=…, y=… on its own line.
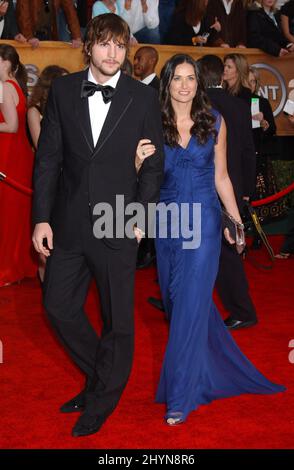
x=105, y=72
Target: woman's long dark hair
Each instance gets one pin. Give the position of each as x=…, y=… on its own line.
x=18, y=70
x=201, y=114
x=40, y=91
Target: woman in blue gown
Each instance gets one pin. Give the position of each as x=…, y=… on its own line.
x=202, y=361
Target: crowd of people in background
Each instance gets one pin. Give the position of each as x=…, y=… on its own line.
x=265, y=24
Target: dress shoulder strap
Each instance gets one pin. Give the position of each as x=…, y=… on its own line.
x=15, y=84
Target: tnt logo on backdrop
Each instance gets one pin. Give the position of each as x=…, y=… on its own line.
x=273, y=87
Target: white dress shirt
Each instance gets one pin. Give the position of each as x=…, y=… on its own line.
x=147, y=80
x=2, y=26
x=97, y=108
x=197, y=28
x=228, y=5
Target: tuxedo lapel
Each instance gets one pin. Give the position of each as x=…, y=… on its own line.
x=82, y=113
x=119, y=105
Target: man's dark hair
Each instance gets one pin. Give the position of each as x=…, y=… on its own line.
x=103, y=28
x=211, y=70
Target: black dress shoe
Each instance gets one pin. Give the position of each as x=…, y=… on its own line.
x=87, y=424
x=75, y=404
x=157, y=303
x=232, y=324
x=256, y=244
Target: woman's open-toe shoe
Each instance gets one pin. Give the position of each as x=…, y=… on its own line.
x=172, y=419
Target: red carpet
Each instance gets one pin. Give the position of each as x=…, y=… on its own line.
x=36, y=376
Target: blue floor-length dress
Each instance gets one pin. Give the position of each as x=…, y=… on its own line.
x=202, y=361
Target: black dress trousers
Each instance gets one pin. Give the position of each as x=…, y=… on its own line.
x=105, y=360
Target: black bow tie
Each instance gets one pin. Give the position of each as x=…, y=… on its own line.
x=89, y=88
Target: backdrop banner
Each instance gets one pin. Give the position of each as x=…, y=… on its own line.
x=277, y=73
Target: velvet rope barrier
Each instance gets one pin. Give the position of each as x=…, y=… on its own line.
x=273, y=197
x=257, y=203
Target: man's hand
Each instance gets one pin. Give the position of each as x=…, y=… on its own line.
x=139, y=234
x=20, y=38
x=264, y=124
x=34, y=42
x=258, y=117
x=43, y=231
x=76, y=43
x=283, y=52
x=199, y=40
x=216, y=25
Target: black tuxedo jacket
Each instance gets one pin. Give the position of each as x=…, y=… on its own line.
x=241, y=160
x=155, y=83
x=10, y=25
x=71, y=175
x=264, y=34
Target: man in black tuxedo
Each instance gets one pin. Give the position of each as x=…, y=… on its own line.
x=8, y=24
x=86, y=155
x=231, y=282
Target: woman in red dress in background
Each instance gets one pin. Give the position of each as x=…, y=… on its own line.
x=16, y=161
